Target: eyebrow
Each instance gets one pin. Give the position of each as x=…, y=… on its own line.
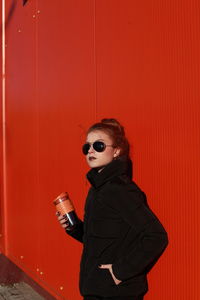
x=98, y=140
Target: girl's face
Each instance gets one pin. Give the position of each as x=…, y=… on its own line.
x=100, y=159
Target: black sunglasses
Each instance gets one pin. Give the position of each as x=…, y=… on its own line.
x=97, y=146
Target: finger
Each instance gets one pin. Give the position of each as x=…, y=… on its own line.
x=61, y=218
x=64, y=221
x=65, y=225
x=103, y=266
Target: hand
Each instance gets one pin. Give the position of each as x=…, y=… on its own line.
x=62, y=220
x=109, y=267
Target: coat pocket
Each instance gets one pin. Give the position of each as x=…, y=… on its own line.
x=99, y=280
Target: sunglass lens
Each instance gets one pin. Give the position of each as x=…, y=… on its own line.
x=99, y=146
x=85, y=148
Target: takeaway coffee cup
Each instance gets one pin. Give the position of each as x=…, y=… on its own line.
x=66, y=208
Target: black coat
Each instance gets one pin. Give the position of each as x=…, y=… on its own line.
x=119, y=229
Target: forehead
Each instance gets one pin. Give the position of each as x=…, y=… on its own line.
x=98, y=135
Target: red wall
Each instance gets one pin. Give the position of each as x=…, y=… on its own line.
x=1, y=193
x=70, y=63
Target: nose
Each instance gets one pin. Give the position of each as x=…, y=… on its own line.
x=91, y=150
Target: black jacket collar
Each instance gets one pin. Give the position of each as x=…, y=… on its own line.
x=115, y=168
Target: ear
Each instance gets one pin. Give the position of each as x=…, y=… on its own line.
x=117, y=152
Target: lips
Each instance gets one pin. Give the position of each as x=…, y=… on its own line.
x=91, y=158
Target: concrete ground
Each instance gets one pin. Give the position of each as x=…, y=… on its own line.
x=18, y=291
x=17, y=285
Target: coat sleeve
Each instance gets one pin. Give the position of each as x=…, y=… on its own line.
x=147, y=237
x=77, y=232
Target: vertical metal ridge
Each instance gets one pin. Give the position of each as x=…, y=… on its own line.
x=5, y=232
x=37, y=118
x=95, y=60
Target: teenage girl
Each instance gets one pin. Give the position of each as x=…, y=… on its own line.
x=122, y=238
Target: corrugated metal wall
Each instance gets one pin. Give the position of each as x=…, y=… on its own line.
x=69, y=63
x=1, y=191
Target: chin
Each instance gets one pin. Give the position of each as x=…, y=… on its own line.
x=95, y=164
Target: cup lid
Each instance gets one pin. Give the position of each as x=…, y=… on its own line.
x=62, y=197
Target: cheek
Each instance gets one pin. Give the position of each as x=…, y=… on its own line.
x=109, y=154
x=87, y=158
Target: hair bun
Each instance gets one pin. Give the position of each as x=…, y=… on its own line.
x=115, y=123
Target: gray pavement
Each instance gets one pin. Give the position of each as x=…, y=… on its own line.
x=18, y=291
